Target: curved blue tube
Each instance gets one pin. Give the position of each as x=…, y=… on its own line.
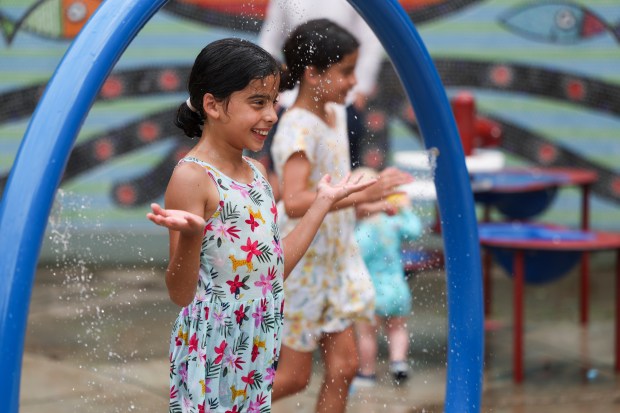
x=456, y=206
x=47, y=143
x=39, y=165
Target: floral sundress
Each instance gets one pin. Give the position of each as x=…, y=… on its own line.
x=330, y=286
x=224, y=346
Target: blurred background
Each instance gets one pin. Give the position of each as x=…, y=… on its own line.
x=542, y=80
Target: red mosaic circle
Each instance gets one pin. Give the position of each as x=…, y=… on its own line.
x=375, y=120
x=126, y=195
x=113, y=87
x=148, y=131
x=501, y=75
x=575, y=89
x=547, y=153
x=104, y=149
x=615, y=186
x=169, y=80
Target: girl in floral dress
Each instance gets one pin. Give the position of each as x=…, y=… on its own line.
x=227, y=259
x=331, y=287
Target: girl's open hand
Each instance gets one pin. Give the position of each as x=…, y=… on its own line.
x=387, y=184
x=177, y=220
x=342, y=189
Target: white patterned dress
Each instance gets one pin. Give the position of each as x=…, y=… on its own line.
x=224, y=346
x=330, y=287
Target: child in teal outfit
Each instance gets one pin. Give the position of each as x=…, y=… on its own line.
x=380, y=236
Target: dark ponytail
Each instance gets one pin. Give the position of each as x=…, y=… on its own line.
x=319, y=43
x=221, y=68
x=189, y=121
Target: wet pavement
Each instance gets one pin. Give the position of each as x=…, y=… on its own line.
x=97, y=341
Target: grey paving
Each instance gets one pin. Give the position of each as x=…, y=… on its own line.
x=97, y=342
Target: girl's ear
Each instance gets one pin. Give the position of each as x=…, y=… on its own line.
x=211, y=106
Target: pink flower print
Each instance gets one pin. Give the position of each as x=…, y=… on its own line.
x=254, y=407
x=173, y=392
x=218, y=317
x=274, y=211
x=258, y=316
x=207, y=388
x=195, y=311
x=201, y=407
x=185, y=311
x=193, y=344
x=261, y=399
x=270, y=374
x=232, y=361
x=277, y=248
x=264, y=283
x=234, y=410
x=251, y=248
x=219, y=350
x=183, y=372
x=252, y=222
x=187, y=404
x=208, y=227
x=244, y=192
x=271, y=272
x=206, y=313
x=223, y=230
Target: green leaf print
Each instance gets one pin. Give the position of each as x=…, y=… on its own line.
x=242, y=343
x=213, y=403
x=230, y=213
x=175, y=407
x=255, y=196
x=268, y=323
x=258, y=381
x=212, y=370
x=265, y=255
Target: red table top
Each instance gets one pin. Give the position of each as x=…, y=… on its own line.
x=597, y=240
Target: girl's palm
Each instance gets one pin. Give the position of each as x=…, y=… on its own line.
x=177, y=220
x=346, y=186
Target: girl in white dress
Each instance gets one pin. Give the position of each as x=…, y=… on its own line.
x=330, y=288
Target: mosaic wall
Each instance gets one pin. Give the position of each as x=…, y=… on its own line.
x=548, y=73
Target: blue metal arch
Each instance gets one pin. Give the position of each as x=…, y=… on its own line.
x=52, y=131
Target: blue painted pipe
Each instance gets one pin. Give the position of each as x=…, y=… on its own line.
x=456, y=206
x=40, y=163
x=47, y=144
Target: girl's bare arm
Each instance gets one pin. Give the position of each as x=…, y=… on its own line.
x=298, y=240
x=189, y=198
x=297, y=197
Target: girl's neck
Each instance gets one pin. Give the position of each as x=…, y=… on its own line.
x=309, y=101
x=225, y=158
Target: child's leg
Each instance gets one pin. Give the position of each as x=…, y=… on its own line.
x=341, y=363
x=367, y=345
x=398, y=338
x=293, y=373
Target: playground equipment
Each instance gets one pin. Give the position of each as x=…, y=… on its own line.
x=40, y=163
x=539, y=253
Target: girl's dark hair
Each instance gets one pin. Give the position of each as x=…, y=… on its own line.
x=221, y=68
x=319, y=43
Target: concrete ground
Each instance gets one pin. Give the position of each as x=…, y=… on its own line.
x=97, y=342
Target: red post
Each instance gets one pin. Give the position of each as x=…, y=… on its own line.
x=584, y=304
x=618, y=311
x=519, y=281
x=464, y=109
